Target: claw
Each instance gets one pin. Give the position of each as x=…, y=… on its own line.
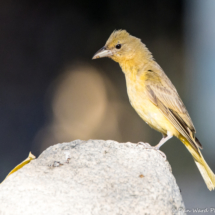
x=148, y=146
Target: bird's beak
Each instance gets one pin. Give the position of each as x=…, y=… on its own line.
x=103, y=52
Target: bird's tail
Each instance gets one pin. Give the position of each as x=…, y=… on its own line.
x=203, y=167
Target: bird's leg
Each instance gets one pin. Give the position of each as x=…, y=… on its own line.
x=163, y=140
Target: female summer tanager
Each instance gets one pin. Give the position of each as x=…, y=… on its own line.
x=153, y=95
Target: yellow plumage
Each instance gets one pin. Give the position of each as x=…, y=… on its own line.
x=153, y=96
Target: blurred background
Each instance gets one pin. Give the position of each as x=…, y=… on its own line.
x=52, y=92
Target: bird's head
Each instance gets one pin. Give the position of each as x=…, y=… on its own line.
x=120, y=46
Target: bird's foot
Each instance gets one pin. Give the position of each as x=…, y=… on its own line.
x=148, y=146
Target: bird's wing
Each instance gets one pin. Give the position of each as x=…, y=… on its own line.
x=164, y=95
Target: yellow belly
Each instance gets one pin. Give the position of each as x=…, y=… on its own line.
x=149, y=112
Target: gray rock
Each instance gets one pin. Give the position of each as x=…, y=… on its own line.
x=93, y=177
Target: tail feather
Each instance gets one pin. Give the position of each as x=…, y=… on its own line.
x=207, y=175
x=203, y=167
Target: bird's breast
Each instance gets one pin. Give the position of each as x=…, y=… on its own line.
x=140, y=101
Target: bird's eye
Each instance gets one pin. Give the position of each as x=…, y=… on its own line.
x=118, y=46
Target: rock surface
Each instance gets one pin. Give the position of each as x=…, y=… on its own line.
x=93, y=177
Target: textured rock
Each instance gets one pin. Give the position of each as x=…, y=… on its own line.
x=93, y=177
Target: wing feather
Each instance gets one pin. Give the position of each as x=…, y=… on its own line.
x=164, y=95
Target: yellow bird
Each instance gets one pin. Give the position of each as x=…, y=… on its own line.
x=153, y=95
